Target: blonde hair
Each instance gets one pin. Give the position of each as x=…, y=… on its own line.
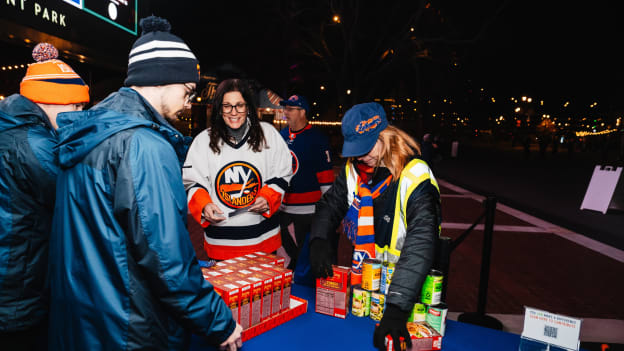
x=398, y=148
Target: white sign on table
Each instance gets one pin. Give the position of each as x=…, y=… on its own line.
x=552, y=329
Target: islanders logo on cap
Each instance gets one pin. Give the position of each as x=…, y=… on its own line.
x=368, y=124
x=237, y=184
x=293, y=98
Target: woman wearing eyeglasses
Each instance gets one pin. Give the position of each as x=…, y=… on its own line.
x=235, y=175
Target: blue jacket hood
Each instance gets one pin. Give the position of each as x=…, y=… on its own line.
x=16, y=111
x=80, y=132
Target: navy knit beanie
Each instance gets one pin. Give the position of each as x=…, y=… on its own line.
x=159, y=57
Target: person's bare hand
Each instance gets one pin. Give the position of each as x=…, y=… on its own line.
x=234, y=341
x=212, y=213
x=261, y=205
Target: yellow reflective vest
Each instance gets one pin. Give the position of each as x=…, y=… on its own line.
x=416, y=173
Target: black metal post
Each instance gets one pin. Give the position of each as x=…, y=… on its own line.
x=480, y=318
x=486, y=253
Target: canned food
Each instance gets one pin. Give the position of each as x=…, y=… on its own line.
x=360, y=305
x=419, y=313
x=431, y=293
x=371, y=274
x=387, y=270
x=436, y=317
x=377, y=305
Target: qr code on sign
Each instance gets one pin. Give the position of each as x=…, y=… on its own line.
x=550, y=331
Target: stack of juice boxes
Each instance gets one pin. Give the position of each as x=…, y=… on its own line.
x=256, y=286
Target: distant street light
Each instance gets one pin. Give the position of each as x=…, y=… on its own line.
x=348, y=91
x=336, y=19
x=322, y=87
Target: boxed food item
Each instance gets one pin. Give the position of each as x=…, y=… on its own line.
x=424, y=338
x=226, y=271
x=208, y=272
x=262, y=259
x=244, y=301
x=277, y=260
x=267, y=294
x=332, y=293
x=229, y=292
x=257, y=287
x=278, y=286
x=287, y=277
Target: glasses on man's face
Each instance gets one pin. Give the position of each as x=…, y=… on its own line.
x=191, y=94
x=240, y=108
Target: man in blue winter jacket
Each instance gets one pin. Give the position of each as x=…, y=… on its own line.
x=123, y=272
x=27, y=181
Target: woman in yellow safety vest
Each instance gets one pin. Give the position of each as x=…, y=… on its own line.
x=388, y=202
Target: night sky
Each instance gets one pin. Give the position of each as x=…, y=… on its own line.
x=548, y=48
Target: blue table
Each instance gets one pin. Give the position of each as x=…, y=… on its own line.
x=314, y=331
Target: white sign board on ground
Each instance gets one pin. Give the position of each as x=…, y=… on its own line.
x=601, y=188
x=551, y=329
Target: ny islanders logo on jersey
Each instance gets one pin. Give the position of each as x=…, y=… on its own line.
x=295, y=162
x=237, y=184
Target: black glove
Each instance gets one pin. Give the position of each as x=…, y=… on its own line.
x=321, y=258
x=393, y=322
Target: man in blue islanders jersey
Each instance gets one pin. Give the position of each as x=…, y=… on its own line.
x=312, y=175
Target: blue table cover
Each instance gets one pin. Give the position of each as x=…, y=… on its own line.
x=315, y=331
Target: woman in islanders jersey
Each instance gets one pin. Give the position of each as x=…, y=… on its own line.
x=235, y=175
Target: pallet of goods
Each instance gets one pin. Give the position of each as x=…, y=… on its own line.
x=256, y=287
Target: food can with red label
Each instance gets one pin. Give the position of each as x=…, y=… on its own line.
x=436, y=317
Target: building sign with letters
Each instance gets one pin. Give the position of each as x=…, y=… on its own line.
x=120, y=13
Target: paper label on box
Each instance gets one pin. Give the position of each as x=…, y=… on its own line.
x=551, y=328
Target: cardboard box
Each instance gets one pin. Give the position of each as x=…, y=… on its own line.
x=229, y=292
x=424, y=338
x=207, y=273
x=278, y=286
x=267, y=290
x=264, y=260
x=257, y=288
x=287, y=277
x=244, y=305
x=332, y=293
x=277, y=260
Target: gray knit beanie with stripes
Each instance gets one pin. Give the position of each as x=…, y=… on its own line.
x=159, y=57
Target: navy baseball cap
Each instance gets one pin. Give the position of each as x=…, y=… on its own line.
x=361, y=126
x=298, y=101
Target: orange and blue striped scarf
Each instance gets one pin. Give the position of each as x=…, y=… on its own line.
x=358, y=223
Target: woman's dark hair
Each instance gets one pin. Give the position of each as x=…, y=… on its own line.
x=218, y=129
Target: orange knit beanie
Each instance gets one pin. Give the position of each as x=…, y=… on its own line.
x=52, y=81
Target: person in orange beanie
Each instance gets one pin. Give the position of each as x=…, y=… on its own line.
x=28, y=170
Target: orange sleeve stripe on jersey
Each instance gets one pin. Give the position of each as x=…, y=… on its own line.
x=197, y=203
x=273, y=198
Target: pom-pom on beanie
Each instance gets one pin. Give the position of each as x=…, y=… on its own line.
x=159, y=57
x=51, y=81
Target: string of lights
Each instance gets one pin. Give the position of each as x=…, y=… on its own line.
x=14, y=67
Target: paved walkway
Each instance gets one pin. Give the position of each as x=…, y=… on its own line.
x=534, y=263
x=551, y=188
